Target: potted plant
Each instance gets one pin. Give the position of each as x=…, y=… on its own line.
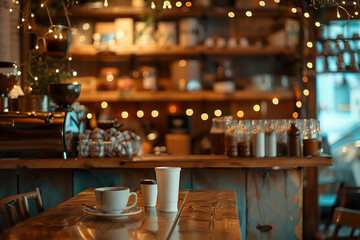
x=48, y=65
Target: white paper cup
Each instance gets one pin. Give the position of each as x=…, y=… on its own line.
x=168, y=179
x=113, y=199
x=149, y=192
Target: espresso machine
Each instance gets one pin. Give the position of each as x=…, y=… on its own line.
x=35, y=134
x=8, y=79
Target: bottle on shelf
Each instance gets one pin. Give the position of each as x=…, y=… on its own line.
x=294, y=144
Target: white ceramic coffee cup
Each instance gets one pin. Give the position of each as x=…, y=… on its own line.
x=113, y=199
x=168, y=179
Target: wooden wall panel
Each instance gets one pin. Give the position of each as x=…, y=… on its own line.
x=131, y=178
x=225, y=179
x=274, y=204
x=8, y=187
x=55, y=185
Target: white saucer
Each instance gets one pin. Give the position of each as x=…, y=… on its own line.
x=126, y=212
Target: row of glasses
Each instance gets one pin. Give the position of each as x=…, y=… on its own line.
x=271, y=137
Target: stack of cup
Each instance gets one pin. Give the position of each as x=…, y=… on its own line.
x=168, y=179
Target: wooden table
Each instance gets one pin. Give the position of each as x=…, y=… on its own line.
x=202, y=215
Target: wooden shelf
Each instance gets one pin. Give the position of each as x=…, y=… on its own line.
x=182, y=52
x=175, y=13
x=191, y=161
x=166, y=96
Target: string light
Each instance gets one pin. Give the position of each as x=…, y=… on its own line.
x=306, y=15
x=298, y=104
x=295, y=115
x=262, y=3
x=248, y=13
x=70, y=58
x=104, y=105
x=153, y=6
x=10, y=10
x=124, y=114
x=309, y=44
x=317, y=24
x=36, y=78
x=305, y=79
x=306, y=92
x=74, y=73
x=36, y=47
x=189, y=112
x=309, y=65
x=256, y=107
x=356, y=13
x=204, y=116
x=154, y=113
x=106, y=4
x=217, y=113
x=231, y=14
x=172, y=109
x=294, y=10
x=89, y=116
x=277, y=1
x=275, y=101
x=188, y=4
x=240, y=113
x=140, y=113
x=57, y=70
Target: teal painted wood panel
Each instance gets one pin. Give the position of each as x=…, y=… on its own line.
x=8, y=187
x=274, y=204
x=131, y=178
x=225, y=179
x=55, y=185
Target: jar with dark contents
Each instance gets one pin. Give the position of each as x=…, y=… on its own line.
x=244, y=142
x=294, y=144
x=231, y=136
x=217, y=135
x=281, y=127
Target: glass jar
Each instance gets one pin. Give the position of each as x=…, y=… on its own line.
x=319, y=137
x=231, y=136
x=270, y=139
x=257, y=138
x=294, y=144
x=217, y=135
x=310, y=141
x=244, y=141
x=281, y=127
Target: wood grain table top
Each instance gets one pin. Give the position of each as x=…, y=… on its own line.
x=208, y=214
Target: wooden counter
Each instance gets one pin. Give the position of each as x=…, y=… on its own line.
x=192, y=161
x=269, y=191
